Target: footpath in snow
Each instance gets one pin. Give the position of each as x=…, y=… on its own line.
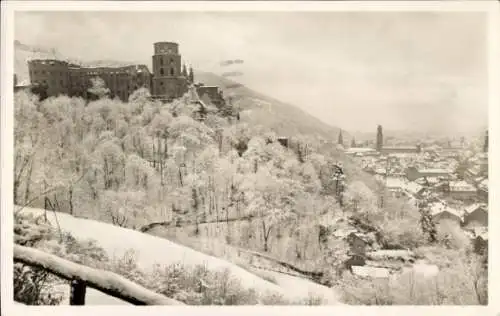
x=150, y=250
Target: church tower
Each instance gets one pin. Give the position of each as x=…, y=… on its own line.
x=380, y=139
x=191, y=75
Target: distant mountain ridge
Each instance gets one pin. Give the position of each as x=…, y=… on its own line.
x=284, y=119
x=24, y=52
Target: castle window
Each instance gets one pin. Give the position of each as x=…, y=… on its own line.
x=161, y=61
x=171, y=61
x=161, y=72
x=171, y=71
x=161, y=83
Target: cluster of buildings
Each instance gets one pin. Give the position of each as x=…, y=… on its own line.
x=366, y=259
x=451, y=180
x=169, y=79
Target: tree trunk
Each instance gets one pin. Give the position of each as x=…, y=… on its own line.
x=16, y=188
x=165, y=158
x=266, y=232
x=70, y=200
x=209, y=202
x=28, y=180
x=220, y=142
x=162, y=181
x=154, y=156
x=216, y=206
x=180, y=177
x=159, y=154
x=165, y=148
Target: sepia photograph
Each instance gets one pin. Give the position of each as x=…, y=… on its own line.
x=212, y=156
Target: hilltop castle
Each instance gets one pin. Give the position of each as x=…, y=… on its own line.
x=169, y=79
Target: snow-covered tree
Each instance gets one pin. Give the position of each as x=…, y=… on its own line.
x=98, y=88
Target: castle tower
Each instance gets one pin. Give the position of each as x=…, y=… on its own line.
x=168, y=82
x=184, y=71
x=191, y=75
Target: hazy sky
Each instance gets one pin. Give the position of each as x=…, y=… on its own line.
x=416, y=70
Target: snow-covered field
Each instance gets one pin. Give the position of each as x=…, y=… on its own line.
x=152, y=250
x=303, y=288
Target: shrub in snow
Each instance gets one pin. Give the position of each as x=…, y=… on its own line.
x=33, y=286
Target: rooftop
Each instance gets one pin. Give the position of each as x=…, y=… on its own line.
x=471, y=208
x=208, y=87
x=434, y=170
x=413, y=187
x=23, y=83
x=391, y=254
x=439, y=207
x=47, y=61
x=461, y=186
x=170, y=43
x=370, y=272
x=98, y=66
x=395, y=182
x=359, y=150
x=484, y=184
x=400, y=147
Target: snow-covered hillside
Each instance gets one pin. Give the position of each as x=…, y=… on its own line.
x=302, y=287
x=152, y=250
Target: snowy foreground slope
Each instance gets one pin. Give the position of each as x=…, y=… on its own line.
x=303, y=287
x=152, y=250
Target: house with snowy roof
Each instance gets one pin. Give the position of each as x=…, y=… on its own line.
x=370, y=272
x=482, y=190
x=441, y=212
x=462, y=190
x=414, y=189
x=413, y=173
x=476, y=215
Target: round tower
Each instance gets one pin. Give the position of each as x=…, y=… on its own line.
x=168, y=81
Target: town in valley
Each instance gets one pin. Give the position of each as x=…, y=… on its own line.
x=163, y=184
